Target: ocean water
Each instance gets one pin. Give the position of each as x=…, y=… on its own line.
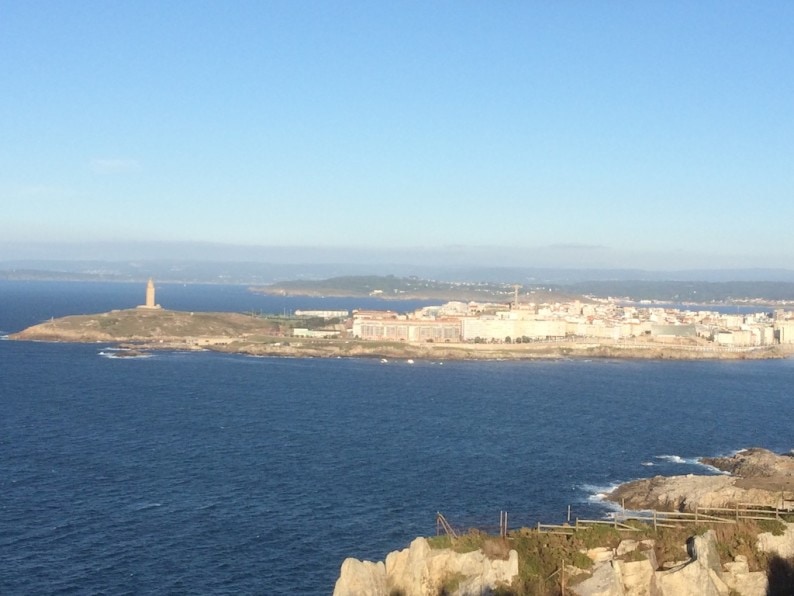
x=218, y=474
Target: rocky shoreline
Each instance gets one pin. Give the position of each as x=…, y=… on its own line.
x=747, y=558
x=752, y=476
x=160, y=329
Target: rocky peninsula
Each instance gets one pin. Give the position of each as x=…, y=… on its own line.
x=753, y=476
x=158, y=329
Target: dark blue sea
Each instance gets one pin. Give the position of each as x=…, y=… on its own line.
x=215, y=474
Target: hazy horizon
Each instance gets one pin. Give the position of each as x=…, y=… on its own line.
x=548, y=257
x=587, y=135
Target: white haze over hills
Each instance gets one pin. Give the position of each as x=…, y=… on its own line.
x=197, y=261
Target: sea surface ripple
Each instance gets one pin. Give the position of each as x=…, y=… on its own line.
x=218, y=474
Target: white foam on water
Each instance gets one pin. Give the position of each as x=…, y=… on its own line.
x=692, y=461
x=713, y=470
x=145, y=506
x=117, y=356
x=675, y=459
x=598, y=494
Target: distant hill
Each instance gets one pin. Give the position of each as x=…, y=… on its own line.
x=664, y=291
x=701, y=292
x=406, y=281
x=402, y=288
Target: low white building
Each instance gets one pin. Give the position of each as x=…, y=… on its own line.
x=323, y=314
x=314, y=333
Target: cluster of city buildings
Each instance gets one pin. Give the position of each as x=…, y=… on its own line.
x=604, y=320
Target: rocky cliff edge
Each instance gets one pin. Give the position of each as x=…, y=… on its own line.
x=420, y=570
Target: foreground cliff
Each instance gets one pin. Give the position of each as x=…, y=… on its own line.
x=422, y=571
x=749, y=553
x=736, y=562
x=700, y=573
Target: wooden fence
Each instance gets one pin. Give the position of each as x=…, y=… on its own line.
x=622, y=520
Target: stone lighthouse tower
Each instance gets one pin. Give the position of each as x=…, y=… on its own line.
x=150, y=303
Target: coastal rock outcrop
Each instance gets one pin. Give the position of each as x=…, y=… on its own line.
x=701, y=575
x=781, y=546
x=630, y=569
x=743, y=581
x=757, y=476
x=361, y=577
x=421, y=570
x=754, y=463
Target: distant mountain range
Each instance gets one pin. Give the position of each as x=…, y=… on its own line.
x=241, y=272
x=704, y=286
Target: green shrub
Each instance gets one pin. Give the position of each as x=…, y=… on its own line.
x=451, y=583
x=601, y=535
x=775, y=527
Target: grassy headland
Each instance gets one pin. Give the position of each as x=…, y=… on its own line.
x=273, y=336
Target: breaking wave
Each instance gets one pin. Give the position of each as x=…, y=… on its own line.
x=121, y=355
x=691, y=461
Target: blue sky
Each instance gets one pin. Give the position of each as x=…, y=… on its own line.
x=646, y=134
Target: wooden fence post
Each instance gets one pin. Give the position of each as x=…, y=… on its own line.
x=562, y=577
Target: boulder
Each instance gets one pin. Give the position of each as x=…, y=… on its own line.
x=782, y=546
x=701, y=576
x=637, y=577
x=742, y=581
x=600, y=554
x=644, y=547
x=626, y=546
x=361, y=577
x=605, y=581
x=408, y=567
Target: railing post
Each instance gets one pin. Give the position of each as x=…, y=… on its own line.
x=562, y=577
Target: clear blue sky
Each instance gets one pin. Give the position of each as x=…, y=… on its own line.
x=656, y=134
